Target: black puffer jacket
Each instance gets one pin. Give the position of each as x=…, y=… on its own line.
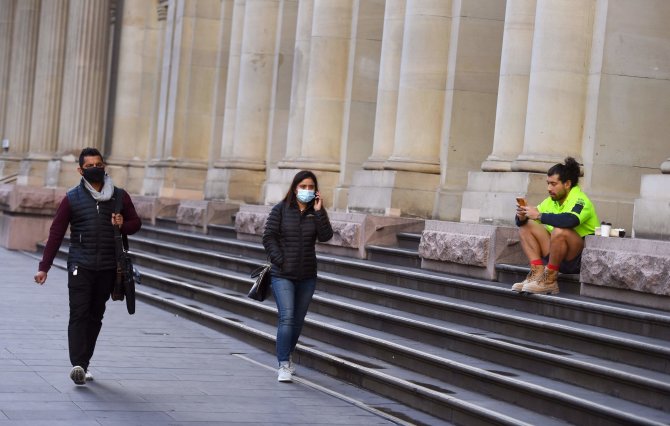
x=92, y=243
x=290, y=237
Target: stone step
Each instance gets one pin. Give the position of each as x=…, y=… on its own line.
x=510, y=274
x=630, y=319
x=376, y=349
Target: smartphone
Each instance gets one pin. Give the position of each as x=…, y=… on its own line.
x=521, y=201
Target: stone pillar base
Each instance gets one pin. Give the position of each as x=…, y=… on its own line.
x=149, y=208
x=352, y=232
x=9, y=166
x=405, y=193
x=652, y=209
x=235, y=185
x=67, y=171
x=469, y=249
x=196, y=215
x=490, y=196
x=175, y=180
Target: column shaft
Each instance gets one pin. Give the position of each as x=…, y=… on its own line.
x=558, y=83
x=389, y=82
x=49, y=77
x=85, y=86
x=513, y=85
x=232, y=84
x=303, y=40
x=6, y=20
x=327, y=83
x=22, y=74
x=421, y=95
x=256, y=83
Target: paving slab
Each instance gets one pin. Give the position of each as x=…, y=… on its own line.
x=151, y=368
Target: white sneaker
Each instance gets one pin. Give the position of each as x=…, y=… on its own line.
x=78, y=375
x=284, y=374
x=88, y=376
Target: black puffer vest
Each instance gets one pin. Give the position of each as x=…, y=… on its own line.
x=92, y=243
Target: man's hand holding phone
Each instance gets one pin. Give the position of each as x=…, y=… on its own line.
x=520, y=207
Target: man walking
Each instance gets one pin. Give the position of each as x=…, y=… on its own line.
x=552, y=233
x=88, y=209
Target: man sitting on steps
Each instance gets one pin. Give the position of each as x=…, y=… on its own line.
x=552, y=233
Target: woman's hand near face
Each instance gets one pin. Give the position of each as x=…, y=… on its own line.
x=317, y=202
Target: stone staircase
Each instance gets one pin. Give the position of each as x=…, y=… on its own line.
x=466, y=351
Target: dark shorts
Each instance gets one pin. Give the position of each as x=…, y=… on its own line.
x=567, y=266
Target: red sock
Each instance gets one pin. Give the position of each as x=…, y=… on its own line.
x=552, y=267
x=536, y=262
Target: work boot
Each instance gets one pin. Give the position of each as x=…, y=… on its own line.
x=546, y=284
x=535, y=273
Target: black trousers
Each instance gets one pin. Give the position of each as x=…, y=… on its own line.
x=89, y=291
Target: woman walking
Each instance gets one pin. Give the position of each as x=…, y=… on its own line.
x=291, y=231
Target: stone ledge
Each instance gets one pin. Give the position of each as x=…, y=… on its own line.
x=466, y=249
x=151, y=207
x=198, y=214
x=26, y=213
x=352, y=231
x=632, y=266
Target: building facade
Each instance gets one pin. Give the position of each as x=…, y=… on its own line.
x=437, y=109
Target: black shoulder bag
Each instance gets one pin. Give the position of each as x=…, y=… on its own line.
x=126, y=273
x=259, y=290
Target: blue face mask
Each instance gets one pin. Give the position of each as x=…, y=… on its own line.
x=305, y=195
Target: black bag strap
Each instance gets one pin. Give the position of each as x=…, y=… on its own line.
x=120, y=239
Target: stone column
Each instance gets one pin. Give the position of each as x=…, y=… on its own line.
x=513, y=85
x=325, y=93
x=389, y=82
x=406, y=181
x=246, y=152
x=423, y=78
x=303, y=39
x=652, y=210
x=22, y=75
x=42, y=169
x=490, y=195
x=186, y=116
x=49, y=77
x=138, y=84
x=326, y=85
x=255, y=85
x=6, y=20
x=232, y=83
x=279, y=177
x=558, y=83
x=84, y=91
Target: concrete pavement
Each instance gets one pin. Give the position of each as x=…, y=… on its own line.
x=151, y=368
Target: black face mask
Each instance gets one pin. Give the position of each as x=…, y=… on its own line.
x=95, y=174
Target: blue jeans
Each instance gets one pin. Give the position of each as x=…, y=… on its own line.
x=293, y=298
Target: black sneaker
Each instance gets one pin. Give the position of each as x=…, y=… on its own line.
x=78, y=375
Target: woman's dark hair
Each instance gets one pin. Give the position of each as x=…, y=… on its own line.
x=566, y=172
x=89, y=152
x=299, y=177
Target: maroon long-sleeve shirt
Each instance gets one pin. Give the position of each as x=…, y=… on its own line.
x=131, y=224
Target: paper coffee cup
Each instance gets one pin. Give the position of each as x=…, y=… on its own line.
x=605, y=230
